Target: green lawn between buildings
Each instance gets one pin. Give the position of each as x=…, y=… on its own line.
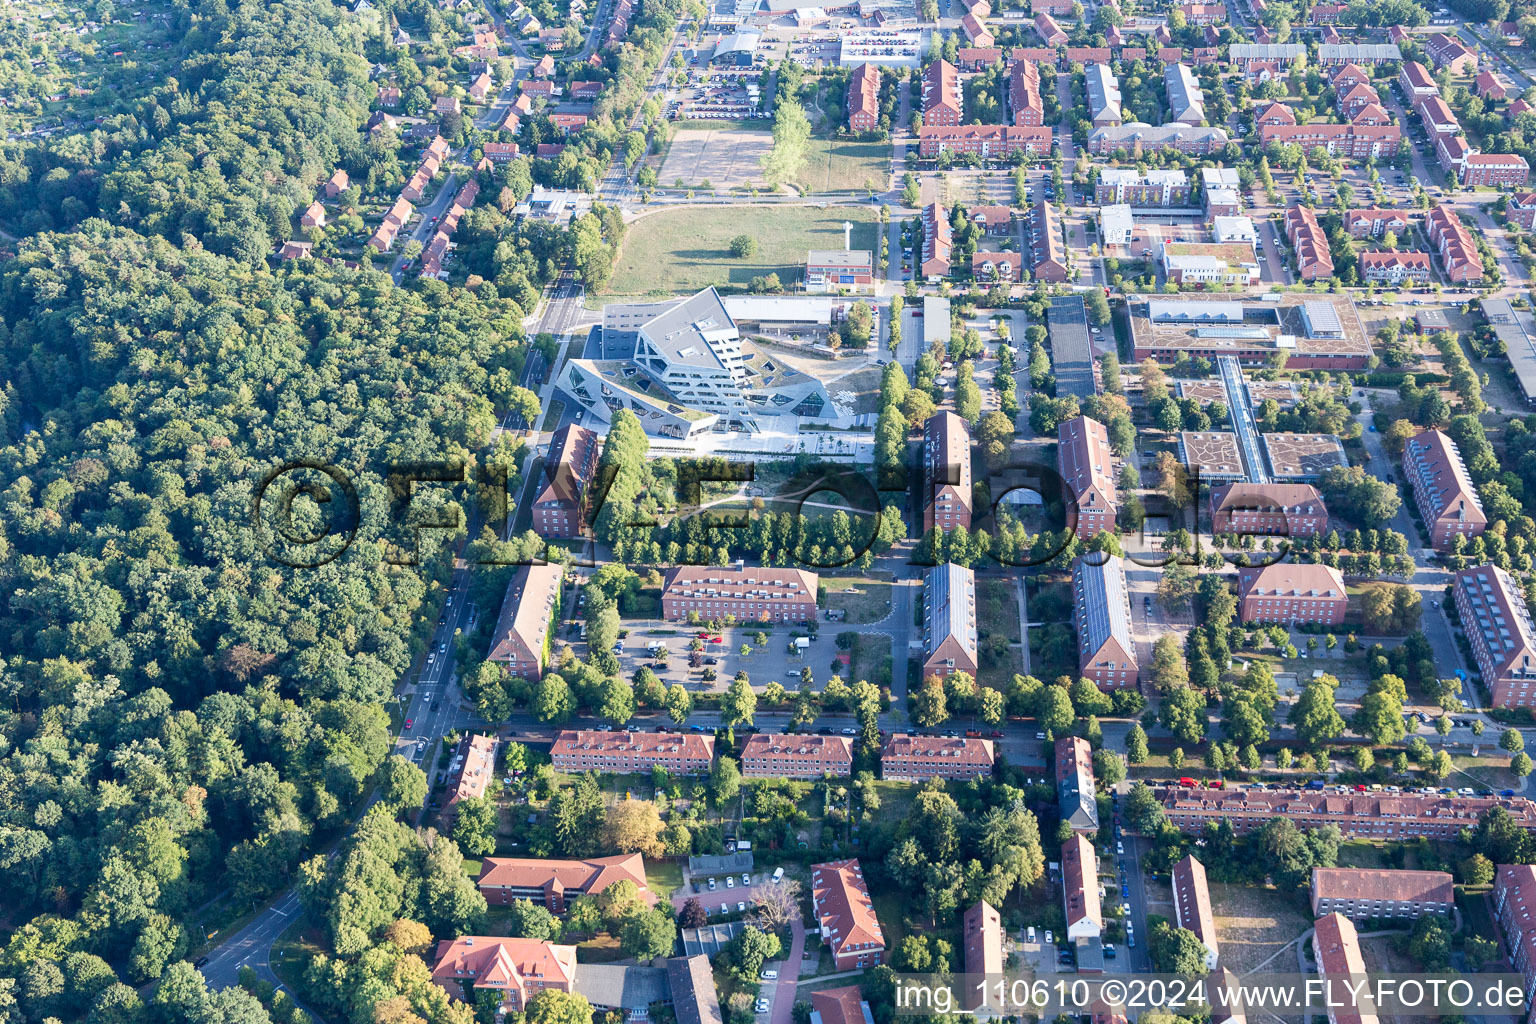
x=683, y=250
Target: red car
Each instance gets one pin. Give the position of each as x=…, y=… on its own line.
x=703, y=636
x=717, y=639
x=410, y=722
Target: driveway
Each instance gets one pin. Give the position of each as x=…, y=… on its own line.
x=789, y=975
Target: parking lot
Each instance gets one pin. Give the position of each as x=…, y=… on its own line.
x=767, y=663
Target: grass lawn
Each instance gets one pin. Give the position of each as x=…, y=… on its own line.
x=1255, y=924
x=552, y=415
x=599, y=950
x=862, y=600
x=997, y=610
x=684, y=250
x=891, y=908
x=1360, y=854
x=872, y=659
x=839, y=165
x=663, y=876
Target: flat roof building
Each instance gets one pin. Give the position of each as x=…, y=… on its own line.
x=1303, y=458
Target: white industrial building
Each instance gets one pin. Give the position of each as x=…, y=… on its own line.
x=1234, y=229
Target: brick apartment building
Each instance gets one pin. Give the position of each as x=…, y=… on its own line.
x=1284, y=510
x=1024, y=103
x=1362, y=894
x=1080, y=888
x=1292, y=592
x=1373, y=816
x=1497, y=623
x=863, y=99
x=1520, y=208
x=938, y=240
x=1357, y=141
x=1442, y=489
x=996, y=266
x=1336, y=949
x=1458, y=253
x=632, y=753
x=950, y=641
x=522, y=631
x=750, y=593
x=988, y=141
x=1395, y=269
x=1048, y=252
x=1495, y=170
x=946, y=472
x=558, y=511
x=796, y=756
x=1101, y=610
x=1075, y=785
x=517, y=969
x=942, y=104
x=552, y=884
x=849, y=927
x=982, y=931
x=918, y=758
x=1416, y=82
x=1314, y=260
x=1447, y=52
x=1514, y=905
x=1087, y=467
x=1374, y=222
x=1192, y=906
x=473, y=767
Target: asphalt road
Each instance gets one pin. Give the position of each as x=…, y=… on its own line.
x=252, y=946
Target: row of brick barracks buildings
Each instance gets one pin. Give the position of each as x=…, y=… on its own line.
x=1374, y=816
x=905, y=758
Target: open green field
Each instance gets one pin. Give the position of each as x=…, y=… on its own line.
x=684, y=250
x=864, y=600
x=841, y=165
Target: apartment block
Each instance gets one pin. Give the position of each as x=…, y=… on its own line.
x=558, y=511
x=982, y=930
x=1458, y=252
x=849, y=927
x=473, y=767
x=1442, y=489
x=1087, y=467
x=942, y=103
x=1416, y=81
x=1283, y=510
x=1103, y=92
x=1075, y=785
x=1495, y=170
x=1447, y=52
x=1101, y=605
x=1292, y=592
x=1048, y=252
x=1336, y=948
x=1363, y=894
x=1497, y=622
x=1520, y=208
x=1514, y=905
x=516, y=969
x=938, y=239
x=1314, y=260
x=949, y=621
x=1137, y=137
x=632, y=753
x=750, y=593
x=522, y=631
x=1024, y=101
x=1138, y=188
x=1357, y=141
x=796, y=756
x=988, y=141
x=946, y=472
x=552, y=884
x=918, y=758
x=1373, y=222
x=1192, y=906
x=1395, y=269
x=1372, y=816
x=863, y=99
x=1080, y=888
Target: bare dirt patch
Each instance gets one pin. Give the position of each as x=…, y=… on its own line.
x=725, y=159
x=1254, y=924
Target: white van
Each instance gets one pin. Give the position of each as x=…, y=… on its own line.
x=778, y=874
x=1031, y=933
